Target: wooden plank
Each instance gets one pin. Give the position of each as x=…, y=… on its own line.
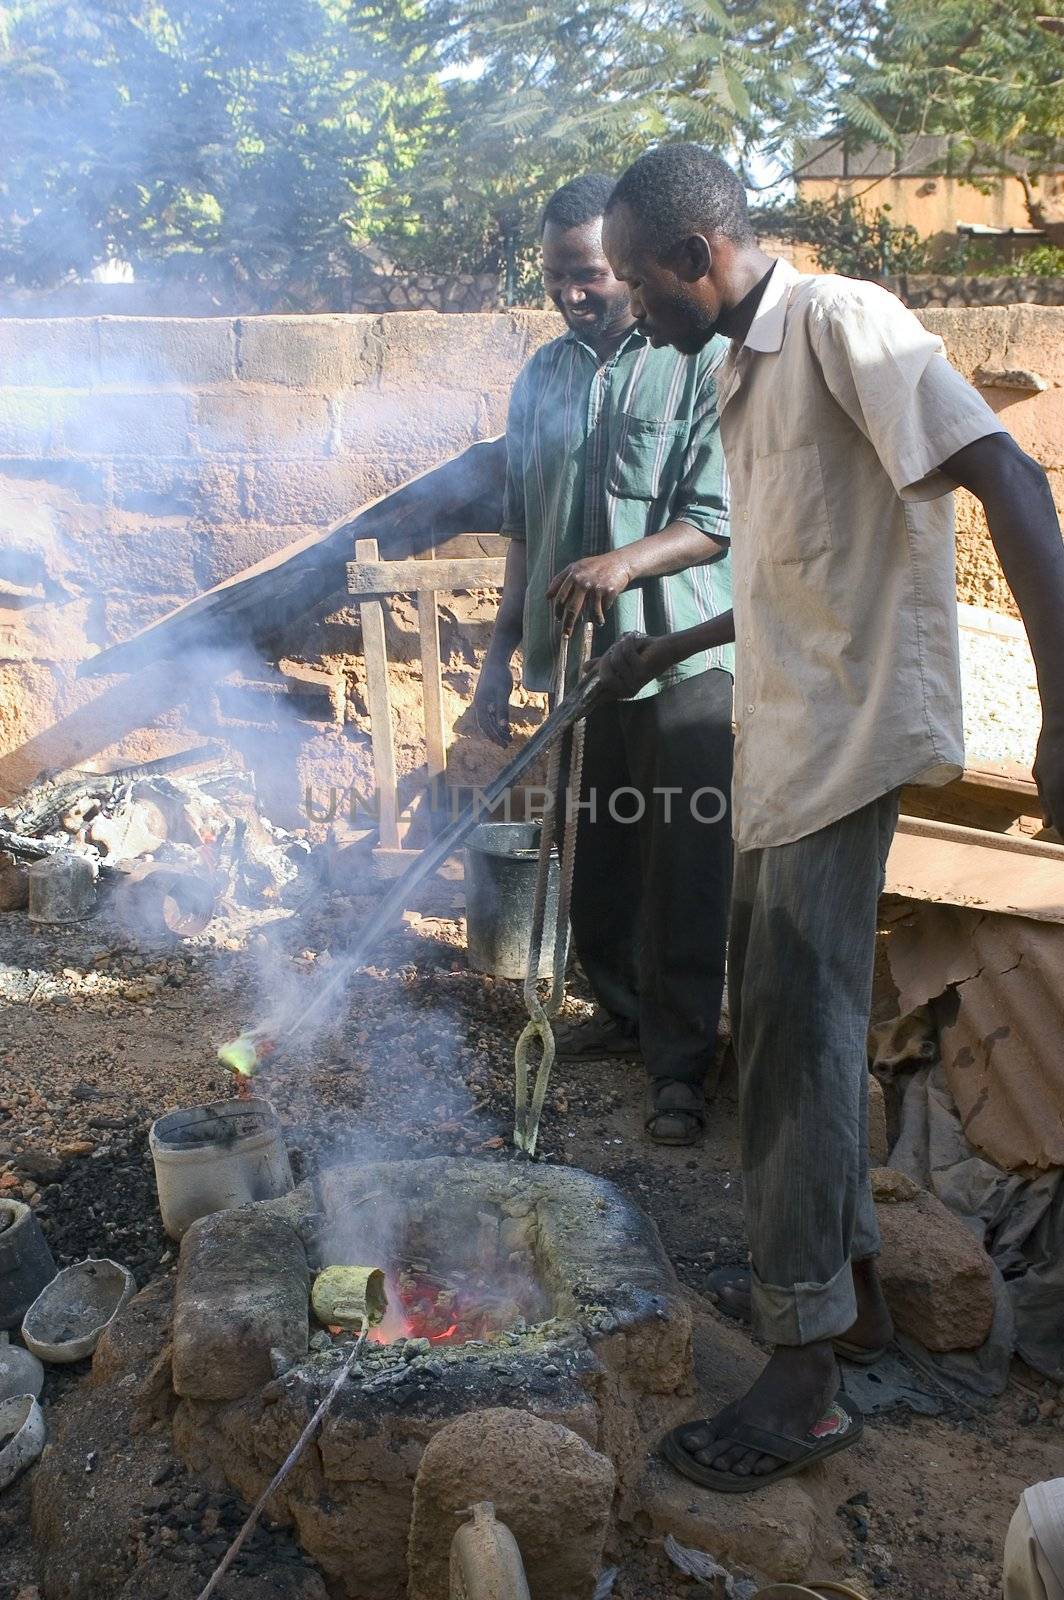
x=428, y=624
x=375, y=655
x=422, y=577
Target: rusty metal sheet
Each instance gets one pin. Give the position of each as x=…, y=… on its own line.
x=996, y=986
x=951, y=865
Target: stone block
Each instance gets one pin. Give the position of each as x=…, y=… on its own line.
x=877, y=1123
x=311, y=352
x=135, y=351
x=196, y=490
x=316, y=492
x=936, y=1274
x=486, y=349
x=47, y=352
x=139, y=561
x=243, y=1289
x=230, y=548
x=121, y=616
x=31, y=694
x=417, y=426
x=52, y=632
x=27, y=422
x=773, y=1532
x=553, y=1491
x=255, y=422
x=107, y=423
x=87, y=480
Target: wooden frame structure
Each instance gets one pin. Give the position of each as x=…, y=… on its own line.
x=369, y=580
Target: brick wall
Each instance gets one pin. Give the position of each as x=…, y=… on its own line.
x=142, y=460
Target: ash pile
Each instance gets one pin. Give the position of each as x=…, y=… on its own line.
x=173, y=842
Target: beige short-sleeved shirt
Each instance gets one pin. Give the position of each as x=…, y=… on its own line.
x=835, y=413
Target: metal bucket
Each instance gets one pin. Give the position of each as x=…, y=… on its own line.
x=500, y=880
x=213, y=1157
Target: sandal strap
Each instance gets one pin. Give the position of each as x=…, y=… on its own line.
x=668, y=1096
x=779, y=1445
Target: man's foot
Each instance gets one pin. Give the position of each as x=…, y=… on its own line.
x=600, y=1038
x=864, y=1341
x=794, y=1399
x=674, y=1113
x=873, y=1328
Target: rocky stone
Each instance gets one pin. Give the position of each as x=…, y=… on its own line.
x=773, y=1532
x=890, y=1187
x=878, y=1145
x=936, y=1275
x=551, y=1489
x=14, y=884
x=243, y=1290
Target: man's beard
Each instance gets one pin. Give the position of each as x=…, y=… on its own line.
x=603, y=319
x=695, y=326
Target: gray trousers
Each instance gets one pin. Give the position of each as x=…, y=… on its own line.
x=800, y=964
x=650, y=897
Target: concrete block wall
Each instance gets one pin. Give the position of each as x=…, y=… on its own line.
x=142, y=460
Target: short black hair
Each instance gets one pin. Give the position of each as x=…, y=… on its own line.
x=681, y=189
x=578, y=201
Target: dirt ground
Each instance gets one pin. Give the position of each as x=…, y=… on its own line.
x=97, y=1039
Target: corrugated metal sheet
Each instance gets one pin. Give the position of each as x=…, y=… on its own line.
x=996, y=982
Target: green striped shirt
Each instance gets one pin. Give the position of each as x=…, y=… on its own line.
x=599, y=456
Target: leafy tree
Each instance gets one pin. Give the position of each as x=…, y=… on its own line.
x=992, y=74
x=252, y=141
x=847, y=238
x=535, y=94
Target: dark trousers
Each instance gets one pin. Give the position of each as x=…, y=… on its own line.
x=803, y=941
x=650, y=895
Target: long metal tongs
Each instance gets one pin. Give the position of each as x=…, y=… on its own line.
x=559, y=825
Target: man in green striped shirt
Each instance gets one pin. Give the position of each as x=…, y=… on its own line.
x=617, y=509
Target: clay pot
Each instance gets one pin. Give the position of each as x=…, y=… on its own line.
x=66, y=1320
x=26, y=1263
x=23, y=1417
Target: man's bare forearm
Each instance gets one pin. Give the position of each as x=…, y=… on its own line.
x=509, y=624
x=1025, y=531
x=672, y=648
x=678, y=546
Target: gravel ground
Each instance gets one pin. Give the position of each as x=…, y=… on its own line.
x=1002, y=715
x=97, y=1039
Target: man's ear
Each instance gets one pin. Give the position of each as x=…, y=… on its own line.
x=693, y=258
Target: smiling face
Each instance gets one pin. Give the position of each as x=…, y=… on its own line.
x=577, y=277
x=674, y=300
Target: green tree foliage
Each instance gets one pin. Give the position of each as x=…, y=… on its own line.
x=252, y=142
x=988, y=73
x=847, y=237
x=536, y=93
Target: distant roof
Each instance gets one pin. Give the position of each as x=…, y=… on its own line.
x=923, y=155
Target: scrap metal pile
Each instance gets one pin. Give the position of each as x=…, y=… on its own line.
x=178, y=845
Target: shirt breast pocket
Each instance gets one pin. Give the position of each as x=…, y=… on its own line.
x=789, y=505
x=644, y=458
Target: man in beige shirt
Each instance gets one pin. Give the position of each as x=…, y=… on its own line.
x=844, y=430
